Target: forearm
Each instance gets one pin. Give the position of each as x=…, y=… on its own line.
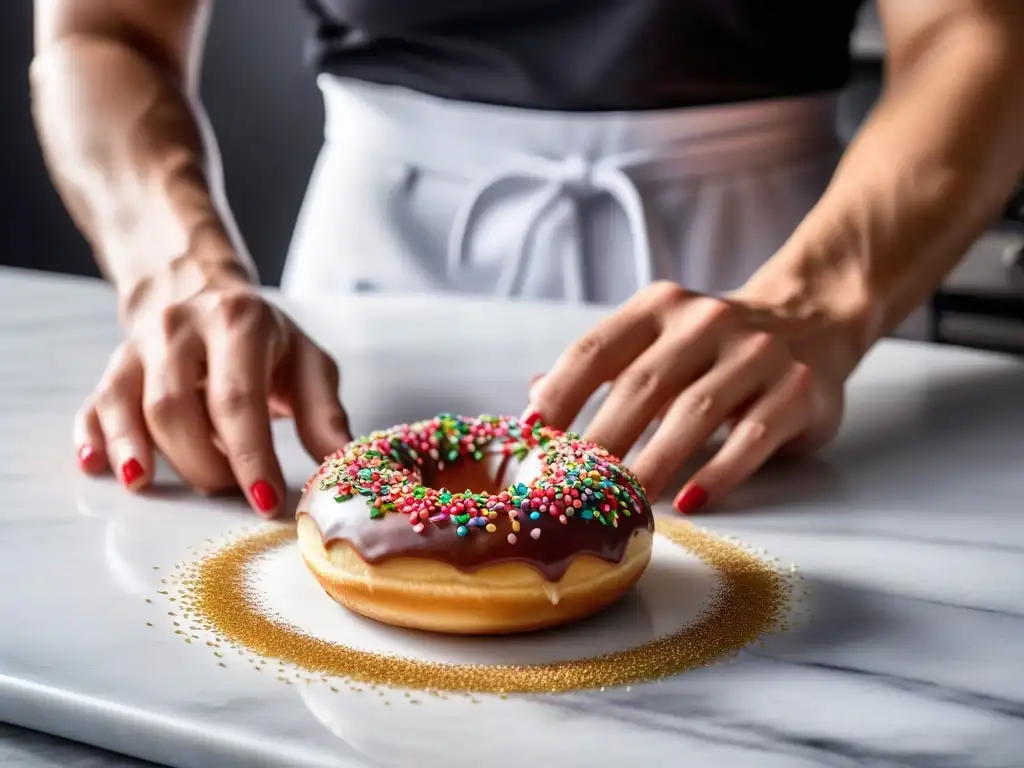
x=928, y=172
x=124, y=143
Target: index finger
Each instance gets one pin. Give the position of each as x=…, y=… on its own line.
x=598, y=356
x=320, y=419
x=236, y=390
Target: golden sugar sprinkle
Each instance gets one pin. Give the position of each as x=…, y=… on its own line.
x=751, y=601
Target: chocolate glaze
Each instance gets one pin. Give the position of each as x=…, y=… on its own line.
x=392, y=536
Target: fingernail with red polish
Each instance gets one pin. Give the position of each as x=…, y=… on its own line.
x=531, y=417
x=690, y=499
x=264, y=495
x=87, y=456
x=131, y=472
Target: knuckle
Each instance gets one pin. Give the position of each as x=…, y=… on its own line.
x=754, y=431
x=641, y=382
x=698, y=406
x=173, y=320
x=119, y=369
x=119, y=359
x=714, y=314
x=239, y=309
x=112, y=391
x=762, y=344
x=588, y=347
x=165, y=406
x=247, y=457
x=666, y=292
x=233, y=400
x=106, y=396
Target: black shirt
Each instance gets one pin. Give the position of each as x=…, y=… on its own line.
x=590, y=54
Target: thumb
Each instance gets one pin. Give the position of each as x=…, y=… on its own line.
x=320, y=420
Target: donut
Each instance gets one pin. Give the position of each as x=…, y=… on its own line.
x=550, y=529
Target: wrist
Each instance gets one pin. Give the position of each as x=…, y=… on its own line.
x=210, y=263
x=806, y=287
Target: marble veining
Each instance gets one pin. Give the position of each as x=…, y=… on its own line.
x=909, y=531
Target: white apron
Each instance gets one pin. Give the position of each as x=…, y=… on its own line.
x=413, y=193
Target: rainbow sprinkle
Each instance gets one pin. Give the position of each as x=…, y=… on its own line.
x=578, y=479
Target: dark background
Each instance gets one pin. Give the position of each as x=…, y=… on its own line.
x=265, y=108
x=262, y=100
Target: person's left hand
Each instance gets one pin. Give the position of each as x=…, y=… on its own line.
x=697, y=363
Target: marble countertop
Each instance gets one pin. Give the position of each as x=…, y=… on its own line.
x=909, y=531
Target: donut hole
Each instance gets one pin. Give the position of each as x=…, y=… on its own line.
x=490, y=475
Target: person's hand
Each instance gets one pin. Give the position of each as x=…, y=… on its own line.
x=695, y=364
x=198, y=379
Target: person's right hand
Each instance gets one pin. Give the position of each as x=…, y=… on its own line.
x=198, y=379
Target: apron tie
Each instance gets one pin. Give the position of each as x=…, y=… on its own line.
x=568, y=179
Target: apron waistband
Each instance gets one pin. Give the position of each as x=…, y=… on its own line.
x=570, y=154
